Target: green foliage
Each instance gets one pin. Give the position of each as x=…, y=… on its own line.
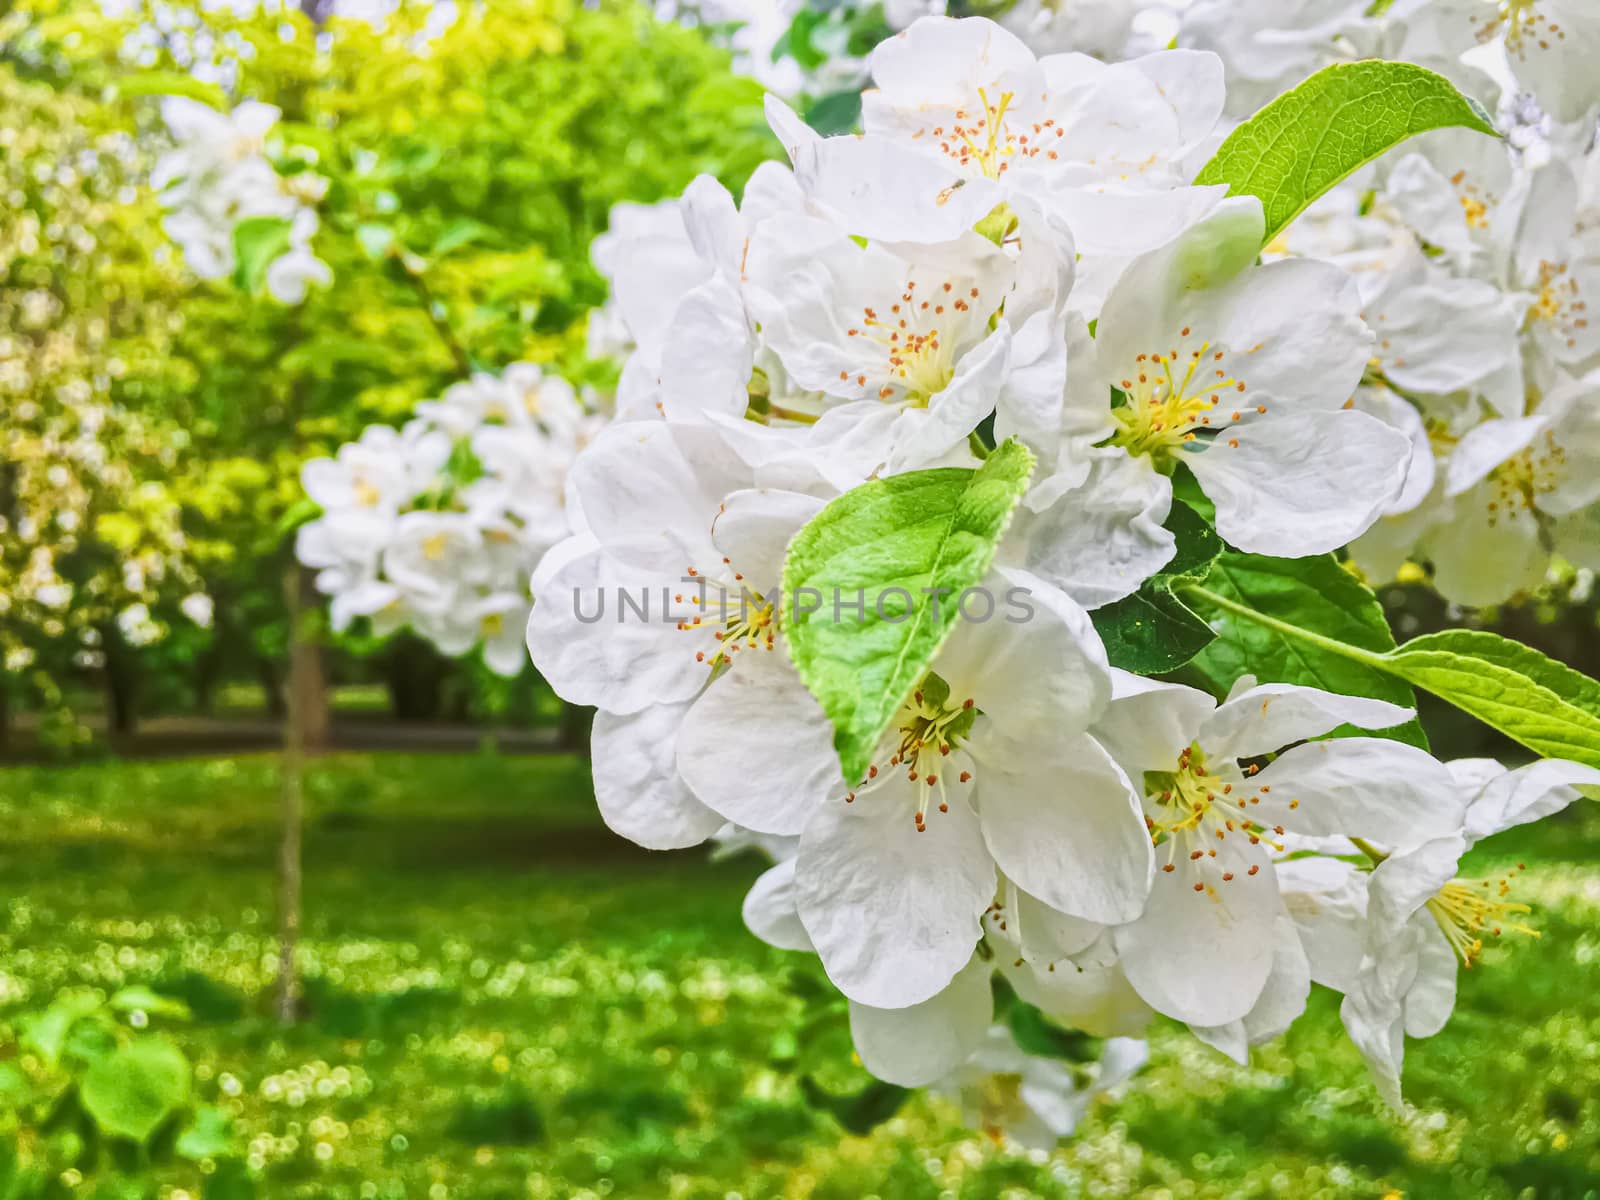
x=257, y=243
x=1309, y=139
x=636, y=973
x=1316, y=594
x=91, y=1091
x=1153, y=631
x=131, y=1091
x=1547, y=707
x=464, y=186
x=901, y=543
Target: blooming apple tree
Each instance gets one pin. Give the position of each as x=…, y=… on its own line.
x=971, y=536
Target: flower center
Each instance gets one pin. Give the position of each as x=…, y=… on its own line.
x=1468, y=908
x=1176, y=396
x=1000, y=1105
x=743, y=618
x=1559, y=302
x=1193, y=811
x=1517, y=483
x=1475, y=205
x=985, y=142
x=1523, y=23
x=928, y=728
x=916, y=338
x=434, y=546
x=366, y=495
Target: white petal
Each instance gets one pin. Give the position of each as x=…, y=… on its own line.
x=758, y=749
x=1067, y=827
x=877, y=188
x=1204, y=957
x=1100, y=539
x=923, y=436
x=1374, y=788
x=1485, y=447
x=596, y=650
x=1266, y=717
x=771, y=910
x=754, y=528
x=1537, y=790
x=1432, y=996
x=994, y=662
x=916, y=1045
x=1302, y=484
x=1097, y=999
x=894, y=913
x=1326, y=899
x=636, y=786
x=1481, y=558
x=1149, y=723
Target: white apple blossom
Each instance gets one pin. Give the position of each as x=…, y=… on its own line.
x=1213, y=947
x=1245, y=375
x=670, y=580
x=1028, y=1100
x=218, y=175
x=440, y=525
x=1391, y=937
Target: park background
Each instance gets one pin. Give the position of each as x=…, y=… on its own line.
x=494, y=995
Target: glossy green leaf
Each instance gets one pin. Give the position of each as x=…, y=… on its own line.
x=1152, y=631
x=1315, y=594
x=895, y=544
x=1309, y=139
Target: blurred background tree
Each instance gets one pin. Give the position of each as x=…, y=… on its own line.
x=468, y=170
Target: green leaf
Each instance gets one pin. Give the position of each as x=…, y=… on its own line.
x=230, y=1181
x=139, y=998
x=858, y=1112
x=897, y=543
x=1152, y=631
x=46, y=1033
x=209, y=1134
x=1312, y=593
x=173, y=83
x=1547, y=707
x=1309, y=139
x=258, y=242
x=132, y=1092
x=462, y=231
x=837, y=112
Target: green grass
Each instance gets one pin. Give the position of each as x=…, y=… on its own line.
x=508, y=1002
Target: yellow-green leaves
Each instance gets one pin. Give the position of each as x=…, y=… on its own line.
x=883, y=566
x=1546, y=706
x=1312, y=137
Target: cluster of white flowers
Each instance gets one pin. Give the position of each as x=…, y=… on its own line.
x=219, y=176
x=1016, y=239
x=439, y=525
x=1477, y=260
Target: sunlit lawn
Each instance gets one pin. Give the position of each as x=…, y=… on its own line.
x=507, y=1001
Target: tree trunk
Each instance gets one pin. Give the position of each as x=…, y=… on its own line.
x=122, y=682
x=305, y=728
x=413, y=672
